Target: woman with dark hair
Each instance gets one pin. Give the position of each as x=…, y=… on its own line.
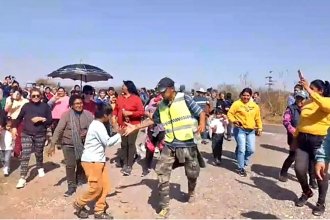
x=88, y=98
x=59, y=104
x=71, y=130
x=113, y=100
x=246, y=118
x=129, y=109
x=35, y=117
x=312, y=128
x=13, y=107
x=48, y=93
x=102, y=98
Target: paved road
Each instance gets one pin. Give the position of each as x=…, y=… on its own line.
x=221, y=193
x=275, y=129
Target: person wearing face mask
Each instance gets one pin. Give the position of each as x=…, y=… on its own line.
x=291, y=118
x=291, y=98
x=129, y=109
x=309, y=136
x=71, y=130
x=246, y=118
x=13, y=108
x=88, y=94
x=36, y=116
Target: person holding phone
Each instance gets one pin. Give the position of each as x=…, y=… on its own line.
x=246, y=118
x=310, y=133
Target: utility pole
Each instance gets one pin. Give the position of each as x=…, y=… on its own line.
x=269, y=82
x=243, y=79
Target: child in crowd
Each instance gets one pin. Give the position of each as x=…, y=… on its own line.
x=93, y=161
x=6, y=145
x=218, y=125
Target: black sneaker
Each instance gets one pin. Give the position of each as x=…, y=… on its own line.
x=70, y=192
x=127, y=171
x=145, y=172
x=217, y=162
x=242, y=173
x=123, y=169
x=304, y=198
x=313, y=184
x=119, y=164
x=319, y=209
x=103, y=215
x=81, y=212
x=283, y=177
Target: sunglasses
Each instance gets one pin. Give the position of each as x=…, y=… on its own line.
x=35, y=96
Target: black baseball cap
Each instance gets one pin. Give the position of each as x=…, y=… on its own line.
x=164, y=84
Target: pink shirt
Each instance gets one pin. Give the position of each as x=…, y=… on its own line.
x=60, y=106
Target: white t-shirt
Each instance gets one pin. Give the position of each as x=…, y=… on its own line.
x=219, y=124
x=6, y=140
x=97, y=139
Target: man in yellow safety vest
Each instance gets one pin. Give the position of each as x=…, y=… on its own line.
x=178, y=113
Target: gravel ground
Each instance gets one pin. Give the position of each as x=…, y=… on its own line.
x=220, y=193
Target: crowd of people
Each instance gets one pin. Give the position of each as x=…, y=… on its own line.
x=82, y=123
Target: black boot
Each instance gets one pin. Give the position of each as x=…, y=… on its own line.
x=103, y=215
x=304, y=198
x=319, y=209
x=70, y=192
x=81, y=212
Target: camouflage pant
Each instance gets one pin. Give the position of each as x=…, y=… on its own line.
x=164, y=169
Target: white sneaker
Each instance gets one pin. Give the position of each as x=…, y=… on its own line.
x=21, y=183
x=6, y=171
x=41, y=172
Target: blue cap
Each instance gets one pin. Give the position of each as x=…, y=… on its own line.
x=303, y=94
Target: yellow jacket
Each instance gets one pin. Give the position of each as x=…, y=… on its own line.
x=315, y=116
x=248, y=114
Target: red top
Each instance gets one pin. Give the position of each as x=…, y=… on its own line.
x=133, y=104
x=90, y=106
x=49, y=95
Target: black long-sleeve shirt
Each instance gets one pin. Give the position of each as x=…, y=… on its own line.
x=31, y=110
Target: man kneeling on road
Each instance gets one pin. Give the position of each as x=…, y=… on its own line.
x=177, y=112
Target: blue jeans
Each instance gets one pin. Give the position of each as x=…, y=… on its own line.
x=6, y=158
x=205, y=135
x=245, y=140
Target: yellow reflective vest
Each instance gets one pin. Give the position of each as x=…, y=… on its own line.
x=177, y=120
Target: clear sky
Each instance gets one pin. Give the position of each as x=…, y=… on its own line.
x=205, y=41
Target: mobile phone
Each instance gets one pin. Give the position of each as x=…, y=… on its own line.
x=300, y=75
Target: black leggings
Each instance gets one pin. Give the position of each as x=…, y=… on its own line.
x=308, y=144
x=217, y=142
x=289, y=161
